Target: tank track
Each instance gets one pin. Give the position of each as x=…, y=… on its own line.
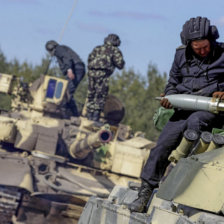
x=9, y=201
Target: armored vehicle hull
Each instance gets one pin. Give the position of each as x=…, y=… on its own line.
x=191, y=193
x=51, y=163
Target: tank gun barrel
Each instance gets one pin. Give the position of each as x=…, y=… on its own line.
x=193, y=102
x=80, y=148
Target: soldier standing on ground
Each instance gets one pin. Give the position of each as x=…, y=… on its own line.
x=71, y=66
x=198, y=69
x=101, y=63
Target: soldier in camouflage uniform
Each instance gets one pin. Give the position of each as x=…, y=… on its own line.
x=101, y=63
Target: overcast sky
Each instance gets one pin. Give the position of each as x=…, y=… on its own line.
x=149, y=29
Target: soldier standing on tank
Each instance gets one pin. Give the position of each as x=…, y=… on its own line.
x=71, y=66
x=198, y=69
x=101, y=63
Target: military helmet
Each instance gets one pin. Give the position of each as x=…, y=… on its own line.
x=50, y=45
x=198, y=28
x=113, y=39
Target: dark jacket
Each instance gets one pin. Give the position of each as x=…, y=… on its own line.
x=191, y=75
x=67, y=58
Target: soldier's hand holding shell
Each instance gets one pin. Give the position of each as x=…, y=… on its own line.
x=165, y=102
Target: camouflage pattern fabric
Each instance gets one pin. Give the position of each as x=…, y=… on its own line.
x=101, y=64
x=98, y=88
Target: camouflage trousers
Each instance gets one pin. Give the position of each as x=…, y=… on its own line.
x=98, y=88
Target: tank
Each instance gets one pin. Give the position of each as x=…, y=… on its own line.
x=191, y=191
x=51, y=162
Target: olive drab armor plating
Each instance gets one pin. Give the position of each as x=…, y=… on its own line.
x=184, y=196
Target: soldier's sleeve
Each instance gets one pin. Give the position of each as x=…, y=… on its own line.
x=68, y=62
x=117, y=58
x=175, y=76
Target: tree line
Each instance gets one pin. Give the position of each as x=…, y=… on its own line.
x=137, y=92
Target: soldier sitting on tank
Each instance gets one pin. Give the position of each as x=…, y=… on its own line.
x=71, y=66
x=101, y=64
x=198, y=69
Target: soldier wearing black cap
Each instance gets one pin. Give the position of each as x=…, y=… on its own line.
x=198, y=69
x=71, y=66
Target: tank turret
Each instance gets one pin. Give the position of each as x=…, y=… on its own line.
x=51, y=162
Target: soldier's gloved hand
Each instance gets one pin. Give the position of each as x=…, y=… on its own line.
x=165, y=102
x=70, y=74
x=219, y=95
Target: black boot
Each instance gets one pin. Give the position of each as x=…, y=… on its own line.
x=139, y=204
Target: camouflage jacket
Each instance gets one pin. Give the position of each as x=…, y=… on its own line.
x=106, y=57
